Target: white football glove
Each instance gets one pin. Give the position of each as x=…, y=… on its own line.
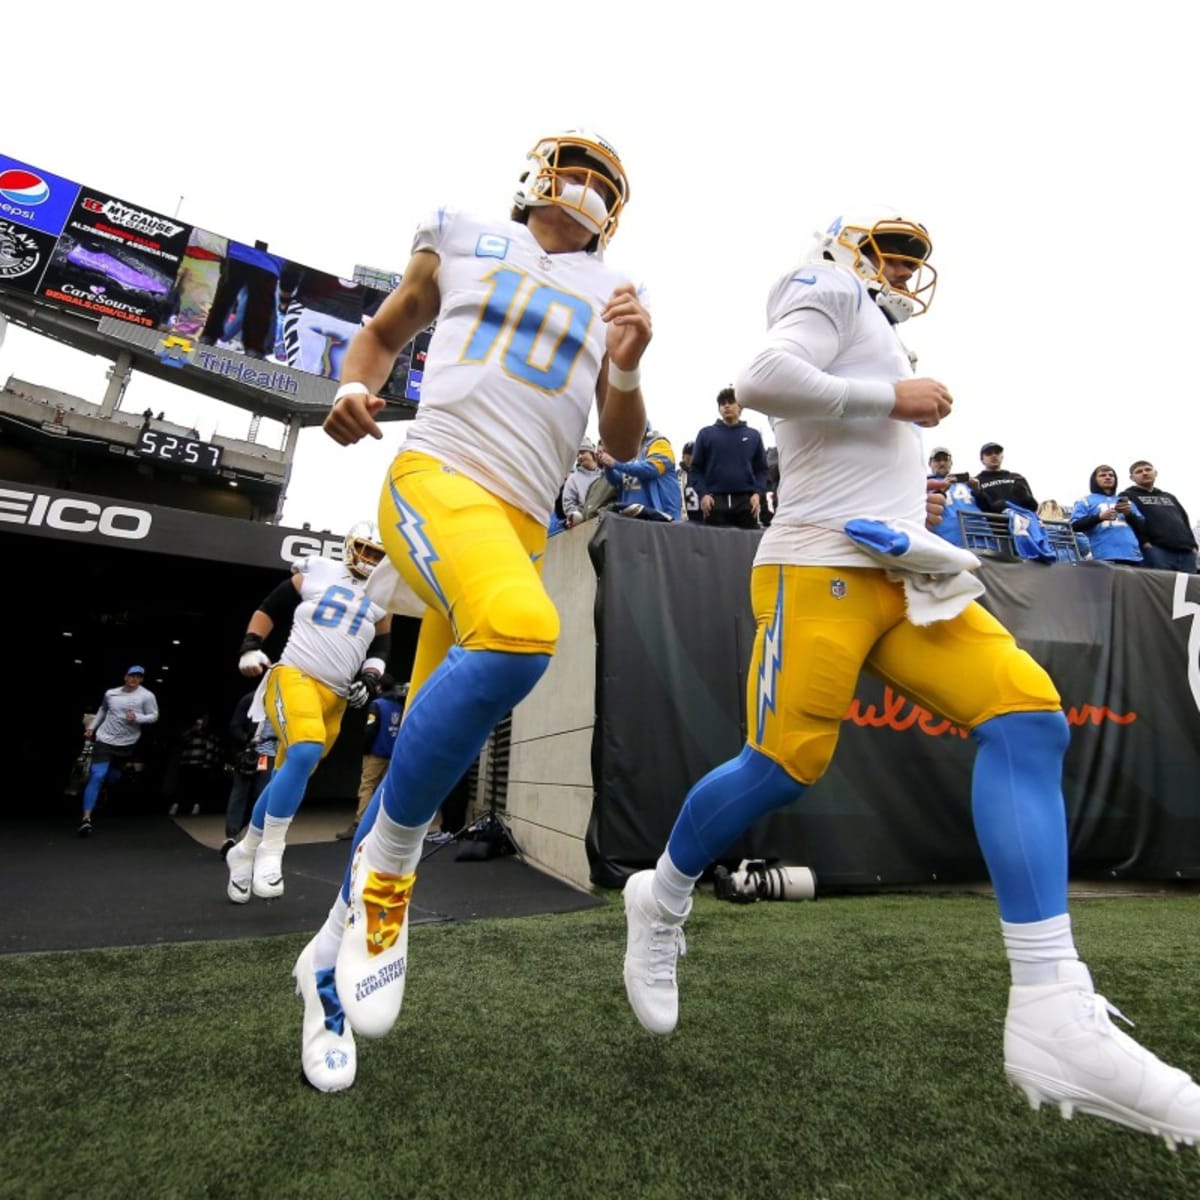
x=358, y=694
x=253, y=662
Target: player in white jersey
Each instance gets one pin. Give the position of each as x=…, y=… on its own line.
x=335, y=654
x=846, y=577
x=532, y=326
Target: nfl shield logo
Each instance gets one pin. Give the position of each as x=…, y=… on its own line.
x=837, y=589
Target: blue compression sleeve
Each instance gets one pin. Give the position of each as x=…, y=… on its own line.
x=724, y=804
x=285, y=792
x=447, y=724
x=95, y=782
x=1020, y=818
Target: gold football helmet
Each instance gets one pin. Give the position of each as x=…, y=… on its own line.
x=865, y=243
x=595, y=200
x=363, y=551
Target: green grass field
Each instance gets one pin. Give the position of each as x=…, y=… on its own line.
x=839, y=1049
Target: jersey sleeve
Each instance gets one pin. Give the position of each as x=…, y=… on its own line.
x=433, y=231
x=830, y=291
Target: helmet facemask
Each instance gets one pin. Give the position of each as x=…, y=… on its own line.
x=363, y=551
x=555, y=177
x=867, y=248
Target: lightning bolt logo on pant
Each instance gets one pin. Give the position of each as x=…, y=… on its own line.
x=411, y=528
x=772, y=659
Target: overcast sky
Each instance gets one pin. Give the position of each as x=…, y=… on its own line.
x=1044, y=145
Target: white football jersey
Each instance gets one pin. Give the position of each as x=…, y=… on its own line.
x=511, y=368
x=835, y=470
x=333, y=625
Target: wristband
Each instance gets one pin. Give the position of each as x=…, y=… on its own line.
x=625, y=381
x=351, y=389
x=251, y=641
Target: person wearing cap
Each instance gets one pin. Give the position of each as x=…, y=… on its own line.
x=114, y=732
x=575, y=490
x=998, y=486
x=959, y=493
x=731, y=461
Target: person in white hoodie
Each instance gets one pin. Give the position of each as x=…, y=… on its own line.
x=847, y=577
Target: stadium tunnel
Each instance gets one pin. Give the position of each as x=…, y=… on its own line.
x=91, y=611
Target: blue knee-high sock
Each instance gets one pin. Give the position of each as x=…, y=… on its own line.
x=294, y=775
x=447, y=724
x=1020, y=819
x=95, y=782
x=286, y=789
x=724, y=804
x=364, y=827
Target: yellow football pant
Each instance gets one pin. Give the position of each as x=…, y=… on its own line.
x=817, y=627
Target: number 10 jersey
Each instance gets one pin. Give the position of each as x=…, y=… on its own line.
x=512, y=366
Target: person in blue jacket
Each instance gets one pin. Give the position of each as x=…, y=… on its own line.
x=647, y=486
x=1111, y=523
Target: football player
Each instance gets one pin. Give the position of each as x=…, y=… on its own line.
x=833, y=592
x=335, y=654
x=531, y=326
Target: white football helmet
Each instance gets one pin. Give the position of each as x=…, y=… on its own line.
x=867, y=242
x=595, y=202
x=363, y=550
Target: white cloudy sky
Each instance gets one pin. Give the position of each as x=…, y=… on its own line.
x=1048, y=147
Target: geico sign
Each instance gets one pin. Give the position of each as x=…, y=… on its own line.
x=73, y=515
x=298, y=545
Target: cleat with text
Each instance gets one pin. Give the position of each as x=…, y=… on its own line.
x=372, y=962
x=327, y=1051
x=655, y=943
x=1061, y=1048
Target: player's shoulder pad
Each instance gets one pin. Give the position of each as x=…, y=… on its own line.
x=828, y=288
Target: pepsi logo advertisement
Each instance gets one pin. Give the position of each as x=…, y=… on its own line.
x=34, y=198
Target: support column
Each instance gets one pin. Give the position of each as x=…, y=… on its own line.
x=119, y=375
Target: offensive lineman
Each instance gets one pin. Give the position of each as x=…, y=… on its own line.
x=839, y=389
x=335, y=654
x=531, y=325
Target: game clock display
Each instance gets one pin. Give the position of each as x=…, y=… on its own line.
x=187, y=452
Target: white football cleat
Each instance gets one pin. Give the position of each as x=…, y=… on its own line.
x=654, y=944
x=327, y=1052
x=241, y=869
x=372, y=962
x=268, y=874
x=1061, y=1048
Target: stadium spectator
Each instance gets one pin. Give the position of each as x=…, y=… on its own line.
x=575, y=491
x=689, y=483
x=1108, y=523
x=646, y=486
x=1168, y=542
x=996, y=486
x=197, y=764
x=960, y=498
x=731, y=462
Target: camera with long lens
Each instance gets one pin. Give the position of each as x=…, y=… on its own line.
x=754, y=880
